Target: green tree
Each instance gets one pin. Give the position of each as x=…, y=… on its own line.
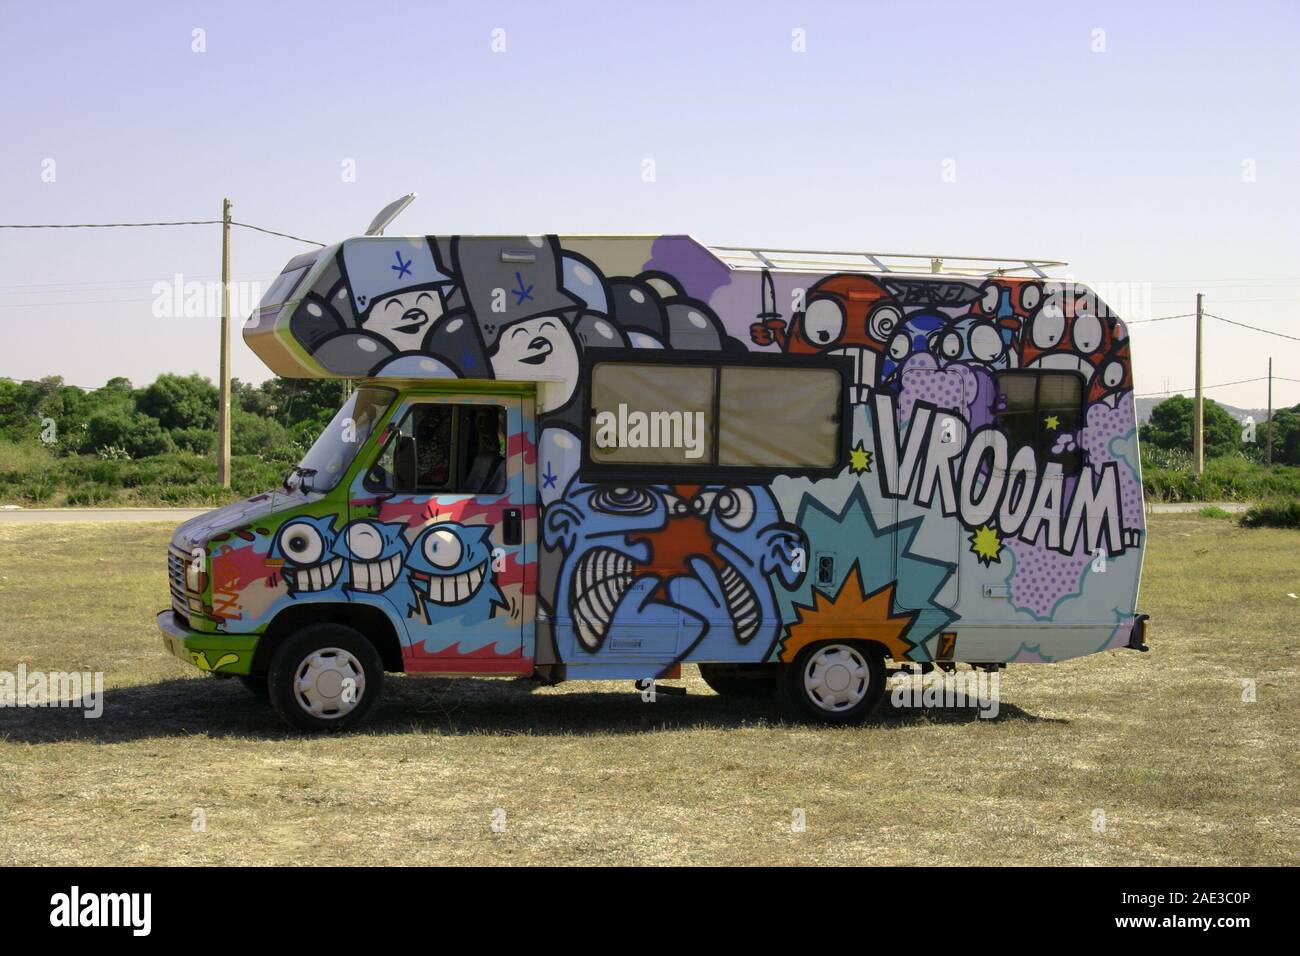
x=1286, y=437
x=255, y=435
x=141, y=435
x=180, y=401
x=1170, y=427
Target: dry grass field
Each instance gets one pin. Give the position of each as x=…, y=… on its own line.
x=1185, y=771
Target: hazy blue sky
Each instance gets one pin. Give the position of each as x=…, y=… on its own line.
x=1133, y=163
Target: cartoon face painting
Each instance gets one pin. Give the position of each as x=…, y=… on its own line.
x=1113, y=377
x=1068, y=331
x=374, y=552
x=543, y=345
x=635, y=556
x=850, y=315
x=449, y=568
x=974, y=340
x=404, y=318
x=306, y=548
x=910, y=338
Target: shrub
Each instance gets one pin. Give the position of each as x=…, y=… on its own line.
x=139, y=434
x=198, y=441
x=255, y=435
x=91, y=495
x=1277, y=513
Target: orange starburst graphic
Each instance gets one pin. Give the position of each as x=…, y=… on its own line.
x=851, y=613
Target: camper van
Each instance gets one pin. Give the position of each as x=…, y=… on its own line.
x=605, y=457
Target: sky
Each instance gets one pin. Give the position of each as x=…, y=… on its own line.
x=1154, y=146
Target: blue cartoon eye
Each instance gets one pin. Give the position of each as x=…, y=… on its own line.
x=443, y=549
x=365, y=541
x=623, y=501
x=301, y=543
x=735, y=508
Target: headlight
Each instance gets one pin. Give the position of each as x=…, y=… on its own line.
x=193, y=576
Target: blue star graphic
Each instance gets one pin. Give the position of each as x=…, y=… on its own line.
x=402, y=268
x=548, y=479
x=522, y=293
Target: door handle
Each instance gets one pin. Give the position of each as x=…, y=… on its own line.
x=512, y=526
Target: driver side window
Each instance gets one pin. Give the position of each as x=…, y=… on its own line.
x=441, y=448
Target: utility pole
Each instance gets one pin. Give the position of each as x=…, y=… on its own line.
x=1198, y=421
x=223, y=412
x=1270, y=411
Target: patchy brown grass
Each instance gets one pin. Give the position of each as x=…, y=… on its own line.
x=1185, y=771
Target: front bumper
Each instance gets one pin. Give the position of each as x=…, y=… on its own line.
x=217, y=653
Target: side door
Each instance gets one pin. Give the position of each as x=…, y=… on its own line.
x=442, y=525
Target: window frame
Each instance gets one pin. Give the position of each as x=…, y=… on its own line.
x=1038, y=375
x=591, y=470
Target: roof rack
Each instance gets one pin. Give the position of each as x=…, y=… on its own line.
x=809, y=260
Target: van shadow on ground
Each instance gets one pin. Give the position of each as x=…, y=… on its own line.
x=186, y=707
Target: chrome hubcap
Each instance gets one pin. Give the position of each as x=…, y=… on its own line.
x=329, y=683
x=836, y=678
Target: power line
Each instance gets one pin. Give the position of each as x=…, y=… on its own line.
x=110, y=225
x=1190, y=388
x=1161, y=318
x=140, y=225
x=282, y=235
x=1254, y=328
x=1188, y=315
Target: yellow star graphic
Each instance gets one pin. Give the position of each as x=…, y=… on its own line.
x=986, y=545
x=859, y=459
x=1052, y=422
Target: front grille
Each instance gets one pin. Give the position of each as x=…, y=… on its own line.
x=176, y=559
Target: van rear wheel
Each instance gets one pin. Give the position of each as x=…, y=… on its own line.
x=834, y=682
x=325, y=677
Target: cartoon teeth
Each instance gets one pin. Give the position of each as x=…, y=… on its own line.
x=742, y=602
x=374, y=575
x=451, y=588
x=864, y=370
x=315, y=578
x=602, y=577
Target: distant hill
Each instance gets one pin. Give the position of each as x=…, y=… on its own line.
x=1144, y=406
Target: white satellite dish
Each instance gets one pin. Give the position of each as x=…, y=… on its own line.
x=388, y=214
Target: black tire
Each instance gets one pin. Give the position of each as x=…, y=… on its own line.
x=331, y=649
x=741, y=682
x=255, y=684
x=863, y=691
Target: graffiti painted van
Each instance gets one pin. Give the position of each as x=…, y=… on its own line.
x=606, y=457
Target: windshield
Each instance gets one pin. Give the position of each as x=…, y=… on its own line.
x=332, y=453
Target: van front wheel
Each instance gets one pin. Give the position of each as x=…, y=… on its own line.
x=834, y=682
x=325, y=677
